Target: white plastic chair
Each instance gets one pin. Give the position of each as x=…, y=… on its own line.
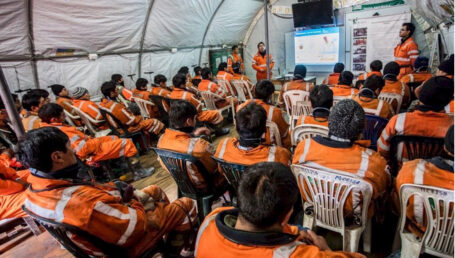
x=306, y=131
x=226, y=86
x=89, y=122
x=275, y=136
x=296, y=101
x=70, y=118
x=241, y=86
x=143, y=106
x=328, y=191
x=210, y=99
x=337, y=99
x=438, y=239
x=395, y=100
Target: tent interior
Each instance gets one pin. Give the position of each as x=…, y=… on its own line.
x=82, y=43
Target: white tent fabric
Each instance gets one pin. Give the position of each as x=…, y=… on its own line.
x=122, y=32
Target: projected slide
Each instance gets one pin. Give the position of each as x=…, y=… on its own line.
x=317, y=46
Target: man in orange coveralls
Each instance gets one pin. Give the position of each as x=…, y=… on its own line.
x=12, y=194
x=260, y=62
x=259, y=226
x=116, y=213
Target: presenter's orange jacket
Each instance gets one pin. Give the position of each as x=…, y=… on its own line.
x=406, y=54
x=294, y=85
x=435, y=172
x=31, y=121
x=260, y=65
x=418, y=123
x=99, y=210
x=209, y=116
x=96, y=149
x=325, y=153
x=134, y=123
x=365, y=75
x=340, y=90
x=332, y=79
x=217, y=237
x=374, y=106
x=12, y=194
x=230, y=150
x=232, y=59
x=398, y=87
x=274, y=114
x=199, y=148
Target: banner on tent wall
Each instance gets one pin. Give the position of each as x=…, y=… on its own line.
x=375, y=39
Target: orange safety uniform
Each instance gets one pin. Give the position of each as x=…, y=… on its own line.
x=332, y=79
x=165, y=93
x=197, y=77
x=232, y=59
x=418, y=123
x=222, y=75
x=31, y=121
x=294, y=85
x=199, y=148
x=398, y=87
x=343, y=90
x=260, y=65
x=217, y=237
x=275, y=115
x=209, y=116
x=89, y=107
x=416, y=77
x=324, y=153
x=230, y=150
x=434, y=172
x=96, y=149
x=206, y=85
x=405, y=55
x=365, y=75
x=12, y=194
x=65, y=103
x=375, y=106
x=134, y=123
x=311, y=120
x=126, y=93
x=99, y=210
x=241, y=77
x=449, y=108
x=145, y=95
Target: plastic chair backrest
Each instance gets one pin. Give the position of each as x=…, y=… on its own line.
x=296, y=101
x=70, y=117
x=373, y=129
x=275, y=136
x=231, y=171
x=226, y=86
x=177, y=164
x=241, y=86
x=337, y=99
x=438, y=239
x=143, y=106
x=209, y=99
x=410, y=147
x=393, y=99
x=159, y=102
x=327, y=191
x=60, y=232
x=89, y=121
x=114, y=123
x=307, y=131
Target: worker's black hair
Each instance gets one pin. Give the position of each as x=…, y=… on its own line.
x=234, y=47
x=107, y=88
x=264, y=89
x=410, y=27
x=251, y=124
x=376, y=65
x=141, y=83
x=184, y=69
x=205, y=73
x=40, y=92
x=49, y=111
x=321, y=96
x=197, y=70
x=179, y=112
x=116, y=77
x=30, y=100
x=159, y=78
x=373, y=83
x=179, y=80
x=222, y=66
x=261, y=43
x=338, y=68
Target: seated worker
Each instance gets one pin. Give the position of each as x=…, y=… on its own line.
x=222, y=72
x=159, y=88
x=134, y=123
x=375, y=69
x=81, y=100
x=179, y=92
x=142, y=93
x=239, y=76
x=297, y=83
x=197, y=73
x=335, y=76
x=393, y=85
x=135, y=221
x=344, y=87
x=437, y=172
x=264, y=92
x=341, y=151
x=207, y=85
x=259, y=226
x=429, y=119
x=184, y=138
x=321, y=98
x=189, y=86
x=31, y=102
x=250, y=147
x=420, y=73
x=368, y=98
x=42, y=93
x=12, y=194
x=62, y=97
x=125, y=93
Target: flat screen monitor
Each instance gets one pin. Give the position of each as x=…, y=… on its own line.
x=317, y=46
x=313, y=13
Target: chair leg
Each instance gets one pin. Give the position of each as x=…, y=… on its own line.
x=367, y=237
x=396, y=240
x=351, y=239
x=32, y=225
x=207, y=205
x=410, y=246
x=200, y=209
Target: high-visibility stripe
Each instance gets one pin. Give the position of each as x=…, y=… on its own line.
x=43, y=212
x=413, y=56
x=209, y=87
x=127, y=114
x=31, y=122
x=74, y=138
x=79, y=146
x=402, y=59
x=98, y=114
x=411, y=77
x=285, y=250
x=131, y=225
x=122, y=148
x=272, y=152
x=270, y=114
x=191, y=145
x=447, y=108
x=413, y=52
x=305, y=151
x=383, y=146
x=64, y=199
x=202, y=228
x=399, y=125
x=418, y=201
x=364, y=163
x=223, y=149
x=378, y=110
x=184, y=95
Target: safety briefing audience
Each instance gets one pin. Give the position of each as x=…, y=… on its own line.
x=368, y=98
x=375, y=69
x=321, y=98
x=344, y=86
x=335, y=76
x=297, y=83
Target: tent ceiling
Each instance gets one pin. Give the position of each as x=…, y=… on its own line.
x=13, y=28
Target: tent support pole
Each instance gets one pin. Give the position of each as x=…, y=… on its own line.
x=207, y=30
x=267, y=53
x=31, y=43
x=144, y=30
x=8, y=101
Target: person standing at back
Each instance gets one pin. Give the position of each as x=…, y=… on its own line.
x=235, y=58
x=260, y=62
x=407, y=51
